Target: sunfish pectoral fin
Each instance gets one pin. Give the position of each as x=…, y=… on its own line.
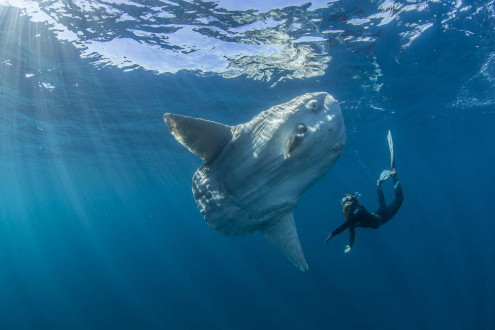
x=283, y=235
x=203, y=138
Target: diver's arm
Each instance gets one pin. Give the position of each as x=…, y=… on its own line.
x=352, y=235
x=337, y=231
x=341, y=228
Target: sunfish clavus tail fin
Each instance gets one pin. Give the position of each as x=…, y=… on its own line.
x=203, y=138
x=283, y=235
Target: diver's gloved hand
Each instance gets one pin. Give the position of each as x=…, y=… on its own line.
x=330, y=235
x=347, y=248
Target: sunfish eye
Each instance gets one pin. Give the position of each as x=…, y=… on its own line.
x=301, y=128
x=313, y=105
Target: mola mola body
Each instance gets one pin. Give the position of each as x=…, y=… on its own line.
x=255, y=173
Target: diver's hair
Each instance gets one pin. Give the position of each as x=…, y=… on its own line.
x=346, y=211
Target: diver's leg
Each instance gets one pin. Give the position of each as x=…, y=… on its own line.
x=381, y=196
x=393, y=207
x=399, y=196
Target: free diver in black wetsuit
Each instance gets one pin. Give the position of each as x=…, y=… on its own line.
x=356, y=215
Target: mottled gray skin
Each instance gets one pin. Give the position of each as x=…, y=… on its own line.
x=254, y=181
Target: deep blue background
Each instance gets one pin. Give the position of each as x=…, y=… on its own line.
x=98, y=227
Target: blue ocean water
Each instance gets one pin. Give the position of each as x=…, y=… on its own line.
x=98, y=226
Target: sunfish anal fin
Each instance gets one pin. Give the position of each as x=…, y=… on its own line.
x=203, y=138
x=283, y=235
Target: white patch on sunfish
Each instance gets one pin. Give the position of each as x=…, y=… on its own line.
x=255, y=173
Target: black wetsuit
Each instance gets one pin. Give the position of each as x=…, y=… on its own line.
x=362, y=218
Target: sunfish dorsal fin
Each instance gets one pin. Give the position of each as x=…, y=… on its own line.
x=283, y=235
x=203, y=138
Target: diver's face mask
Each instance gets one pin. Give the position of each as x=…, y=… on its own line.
x=349, y=198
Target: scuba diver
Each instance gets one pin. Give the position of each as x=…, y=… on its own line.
x=356, y=215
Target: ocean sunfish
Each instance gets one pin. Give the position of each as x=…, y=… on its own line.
x=255, y=173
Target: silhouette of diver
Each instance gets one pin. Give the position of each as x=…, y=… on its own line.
x=356, y=215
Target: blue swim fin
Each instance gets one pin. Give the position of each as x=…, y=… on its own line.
x=386, y=173
x=391, y=147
